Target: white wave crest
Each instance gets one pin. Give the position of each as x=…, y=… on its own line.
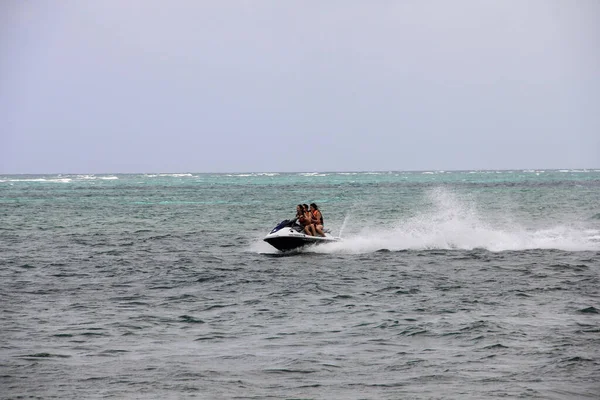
x=57, y=180
x=253, y=174
x=176, y=175
x=312, y=174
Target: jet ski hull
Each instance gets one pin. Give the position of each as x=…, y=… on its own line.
x=287, y=238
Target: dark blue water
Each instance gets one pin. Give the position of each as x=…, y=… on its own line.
x=446, y=285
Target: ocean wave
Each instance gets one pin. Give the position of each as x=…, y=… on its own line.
x=176, y=175
x=578, y=170
x=92, y=177
x=252, y=174
x=51, y=180
x=312, y=174
x=63, y=179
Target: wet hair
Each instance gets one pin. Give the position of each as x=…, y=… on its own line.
x=305, y=206
x=301, y=207
x=313, y=205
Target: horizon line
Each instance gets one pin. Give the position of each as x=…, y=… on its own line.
x=307, y=171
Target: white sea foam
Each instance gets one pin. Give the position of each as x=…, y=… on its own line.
x=452, y=224
x=254, y=174
x=260, y=246
x=176, y=175
x=312, y=174
x=57, y=180
x=94, y=177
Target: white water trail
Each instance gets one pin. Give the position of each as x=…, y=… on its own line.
x=454, y=224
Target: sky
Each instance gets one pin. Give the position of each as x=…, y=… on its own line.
x=232, y=86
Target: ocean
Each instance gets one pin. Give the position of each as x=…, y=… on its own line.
x=446, y=285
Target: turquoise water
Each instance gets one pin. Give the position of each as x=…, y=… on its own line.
x=550, y=209
x=461, y=284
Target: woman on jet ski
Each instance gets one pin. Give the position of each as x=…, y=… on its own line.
x=305, y=219
x=317, y=219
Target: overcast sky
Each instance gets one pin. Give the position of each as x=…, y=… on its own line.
x=223, y=86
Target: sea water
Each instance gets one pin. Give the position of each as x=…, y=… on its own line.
x=454, y=285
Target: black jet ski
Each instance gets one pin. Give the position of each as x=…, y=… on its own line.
x=289, y=235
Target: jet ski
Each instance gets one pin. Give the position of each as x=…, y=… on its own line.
x=289, y=235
